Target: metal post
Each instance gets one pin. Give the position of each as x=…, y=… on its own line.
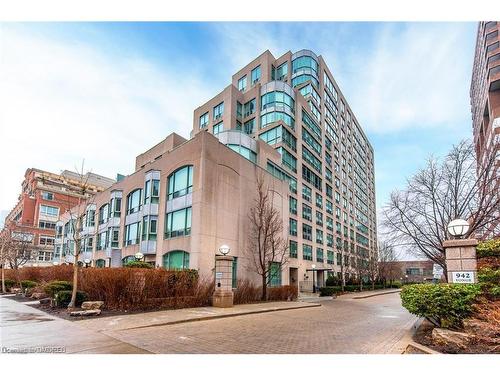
x=314, y=283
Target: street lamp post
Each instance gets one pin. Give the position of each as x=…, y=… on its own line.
x=139, y=256
x=87, y=262
x=314, y=278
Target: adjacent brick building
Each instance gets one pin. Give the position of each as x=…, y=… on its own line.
x=44, y=197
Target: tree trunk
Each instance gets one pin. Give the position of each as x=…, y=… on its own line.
x=263, y=297
x=373, y=284
x=4, y=290
x=72, y=303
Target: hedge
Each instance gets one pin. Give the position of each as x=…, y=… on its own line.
x=63, y=298
x=9, y=283
x=137, y=264
x=55, y=287
x=28, y=284
x=445, y=305
x=489, y=248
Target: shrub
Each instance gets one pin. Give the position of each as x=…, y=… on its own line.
x=490, y=282
x=41, y=274
x=332, y=281
x=9, y=283
x=63, y=298
x=28, y=284
x=489, y=248
x=282, y=293
x=329, y=291
x=137, y=264
x=445, y=305
x=55, y=287
x=246, y=292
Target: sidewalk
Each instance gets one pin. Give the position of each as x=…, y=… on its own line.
x=368, y=294
x=169, y=317
x=24, y=328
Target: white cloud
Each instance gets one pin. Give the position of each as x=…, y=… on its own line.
x=63, y=102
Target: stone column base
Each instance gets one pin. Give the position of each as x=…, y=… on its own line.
x=222, y=299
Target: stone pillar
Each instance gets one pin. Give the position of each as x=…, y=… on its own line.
x=223, y=294
x=461, y=257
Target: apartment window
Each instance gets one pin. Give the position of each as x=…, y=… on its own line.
x=203, y=120
x=309, y=91
x=151, y=191
x=244, y=151
x=306, y=193
x=307, y=252
x=218, y=128
x=249, y=126
x=47, y=196
x=329, y=223
x=293, y=227
x=306, y=232
x=46, y=224
x=46, y=241
x=103, y=213
x=293, y=249
x=256, y=75
x=100, y=263
x=242, y=83
x=249, y=108
x=178, y=223
x=218, y=111
x=330, y=256
x=492, y=35
x=116, y=207
x=176, y=260
x=311, y=141
x=492, y=47
x=115, y=235
x=329, y=207
x=149, y=228
x=319, y=236
x=45, y=256
x=134, y=201
x=319, y=255
x=273, y=117
x=311, y=159
x=329, y=239
x=180, y=182
x=131, y=234
x=414, y=271
x=319, y=218
x=310, y=124
x=49, y=210
x=293, y=205
x=310, y=177
x=493, y=58
x=278, y=100
x=306, y=212
x=274, y=274
x=103, y=238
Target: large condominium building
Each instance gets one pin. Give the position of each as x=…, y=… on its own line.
x=294, y=104
x=485, y=102
x=283, y=118
x=44, y=197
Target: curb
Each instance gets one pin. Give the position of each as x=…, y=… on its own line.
x=378, y=294
x=201, y=318
x=414, y=347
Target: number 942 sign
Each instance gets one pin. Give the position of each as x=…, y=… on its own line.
x=463, y=277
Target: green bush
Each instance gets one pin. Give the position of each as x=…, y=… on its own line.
x=28, y=284
x=329, y=290
x=137, y=264
x=445, y=305
x=332, y=281
x=9, y=283
x=63, y=298
x=55, y=287
x=490, y=282
x=489, y=248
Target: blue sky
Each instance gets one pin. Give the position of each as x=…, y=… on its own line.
x=61, y=84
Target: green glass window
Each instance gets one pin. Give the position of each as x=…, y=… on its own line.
x=306, y=63
x=299, y=80
x=116, y=207
x=218, y=128
x=282, y=71
x=306, y=212
x=151, y=191
x=149, y=228
x=256, y=74
x=176, y=260
x=248, y=126
x=307, y=252
x=306, y=232
x=274, y=276
x=249, y=108
x=100, y=263
x=245, y=152
x=242, y=83
x=319, y=255
x=306, y=193
x=311, y=141
x=134, y=201
x=312, y=178
x=180, y=182
x=277, y=99
x=218, y=111
x=178, y=223
x=287, y=159
x=310, y=124
x=311, y=159
x=319, y=236
x=103, y=213
x=293, y=249
x=204, y=120
x=132, y=232
x=234, y=280
x=330, y=257
x=319, y=200
x=273, y=117
x=293, y=205
x=293, y=227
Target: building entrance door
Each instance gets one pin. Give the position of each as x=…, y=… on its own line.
x=293, y=278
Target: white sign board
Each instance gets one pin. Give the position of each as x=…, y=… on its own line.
x=437, y=271
x=218, y=275
x=463, y=277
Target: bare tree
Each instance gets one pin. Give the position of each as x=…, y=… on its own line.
x=342, y=265
x=265, y=246
x=372, y=269
x=416, y=217
x=5, y=249
x=21, y=249
x=387, y=267
x=76, y=213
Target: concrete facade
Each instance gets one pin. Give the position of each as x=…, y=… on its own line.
x=485, y=106
x=287, y=120
x=319, y=137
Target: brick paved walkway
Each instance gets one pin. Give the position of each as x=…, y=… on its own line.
x=344, y=325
